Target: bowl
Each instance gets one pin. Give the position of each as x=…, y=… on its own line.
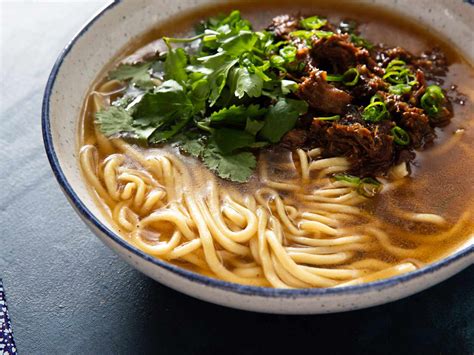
x=83, y=59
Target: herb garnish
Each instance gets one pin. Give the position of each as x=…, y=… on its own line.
x=222, y=95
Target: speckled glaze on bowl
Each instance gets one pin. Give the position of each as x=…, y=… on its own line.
x=81, y=62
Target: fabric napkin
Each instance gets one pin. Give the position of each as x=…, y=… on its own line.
x=7, y=344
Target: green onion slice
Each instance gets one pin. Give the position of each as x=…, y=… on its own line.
x=349, y=78
x=400, y=136
x=432, y=100
x=313, y=23
x=369, y=187
x=375, y=112
x=353, y=180
x=399, y=89
x=330, y=118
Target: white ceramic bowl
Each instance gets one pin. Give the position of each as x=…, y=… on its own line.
x=80, y=63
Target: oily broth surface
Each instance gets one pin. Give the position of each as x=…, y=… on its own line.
x=442, y=176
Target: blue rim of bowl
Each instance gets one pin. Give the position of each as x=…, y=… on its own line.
x=189, y=275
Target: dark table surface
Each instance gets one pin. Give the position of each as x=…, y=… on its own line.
x=68, y=293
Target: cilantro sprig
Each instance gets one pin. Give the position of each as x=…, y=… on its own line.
x=219, y=95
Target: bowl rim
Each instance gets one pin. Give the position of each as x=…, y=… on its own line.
x=178, y=271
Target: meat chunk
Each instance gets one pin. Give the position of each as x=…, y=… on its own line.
x=282, y=26
x=369, y=148
x=321, y=95
x=367, y=86
x=337, y=53
x=296, y=138
x=412, y=119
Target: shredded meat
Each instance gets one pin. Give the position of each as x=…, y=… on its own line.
x=323, y=96
x=337, y=53
x=367, y=86
x=370, y=146
x=370, y=149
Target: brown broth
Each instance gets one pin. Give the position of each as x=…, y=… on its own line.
x=442, y=176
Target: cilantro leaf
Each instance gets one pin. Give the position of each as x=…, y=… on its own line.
x=175, y=64
x=228, y=140
x=138, y=74
x=235, y=167
x=219, y=65
x=237, y=115
x=253, y=126
x=246, y=83
x=169, y=101
x=113, y=121
x=288, y=86
x=193, y=146
x=281, y=118
x=240, y=43
x=162, y=135
x=199, y=93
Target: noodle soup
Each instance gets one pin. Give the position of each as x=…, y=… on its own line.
x=303, y=218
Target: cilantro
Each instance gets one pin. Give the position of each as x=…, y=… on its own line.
x=247, y=83
x=235, y=167
x=228, y=140
x=113, y=121
x=253, y=126
x=167, y=102
x=219, y=66
x=138, y=74
x=116, y=121
x=281, y=118
x=238, y=44
x=237, y=115
x=193, y=146
x=288, y=86
x=175, y=64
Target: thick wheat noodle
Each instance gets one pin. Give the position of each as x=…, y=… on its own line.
x=385, y=273
x=215, y=208
x=292, y=267
x=316, y=242
x=185, y=249
x=209, y=249
x=264, y=252
x=303, y=164
x=110, y=175
x=221, y=237
x=313, y=216
x=330, y=249
x=285, y=276
x=440, y=237
x=328, y=163
x=89, y=169
x=315, y=226
x=161, y=248
x=121, y=214
x=168, y=215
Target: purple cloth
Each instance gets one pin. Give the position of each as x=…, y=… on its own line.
x=7, y=344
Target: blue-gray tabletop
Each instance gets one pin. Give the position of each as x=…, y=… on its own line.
x=68, y=293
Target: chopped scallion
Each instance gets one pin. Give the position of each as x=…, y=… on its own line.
x=432, y=100
x=400, y=136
